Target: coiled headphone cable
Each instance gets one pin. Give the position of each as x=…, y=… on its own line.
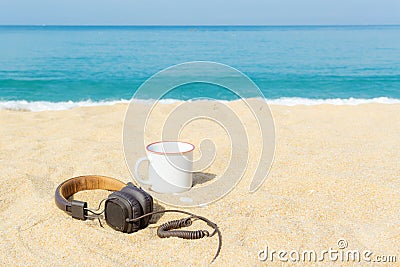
x=166, y=230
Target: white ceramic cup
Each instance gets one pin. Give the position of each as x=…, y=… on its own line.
x=170, y=166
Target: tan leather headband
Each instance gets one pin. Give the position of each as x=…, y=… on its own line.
x=80, y=183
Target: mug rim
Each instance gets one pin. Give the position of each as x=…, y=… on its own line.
x=169, y=153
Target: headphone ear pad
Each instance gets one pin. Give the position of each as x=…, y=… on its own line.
x=145, y=200
x=118, y=207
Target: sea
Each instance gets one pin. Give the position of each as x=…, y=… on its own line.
x=61, y=67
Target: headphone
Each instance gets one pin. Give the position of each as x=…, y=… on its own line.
x=127, y=202
x=127, y=209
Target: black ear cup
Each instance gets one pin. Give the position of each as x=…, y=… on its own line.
x=145, y=200
x=128, y=203
x=120, y=206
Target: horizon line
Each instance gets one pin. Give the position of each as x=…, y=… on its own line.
x=191, y=25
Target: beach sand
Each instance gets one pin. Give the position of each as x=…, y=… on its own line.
x=336, y=175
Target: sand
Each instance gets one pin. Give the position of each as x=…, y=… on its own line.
x=336, y=175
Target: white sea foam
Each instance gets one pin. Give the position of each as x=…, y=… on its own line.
x=35, y=106
x=293, y=101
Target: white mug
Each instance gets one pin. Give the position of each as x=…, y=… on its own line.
x=170, y=166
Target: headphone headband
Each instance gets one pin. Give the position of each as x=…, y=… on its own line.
x=80, y=183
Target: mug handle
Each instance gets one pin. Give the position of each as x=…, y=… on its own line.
x=137, y=165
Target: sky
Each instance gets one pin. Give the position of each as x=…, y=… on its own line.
x=199, y=12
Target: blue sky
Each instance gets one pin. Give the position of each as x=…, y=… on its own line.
x=200, y=12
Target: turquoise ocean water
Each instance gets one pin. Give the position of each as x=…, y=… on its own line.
x=56, y=67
